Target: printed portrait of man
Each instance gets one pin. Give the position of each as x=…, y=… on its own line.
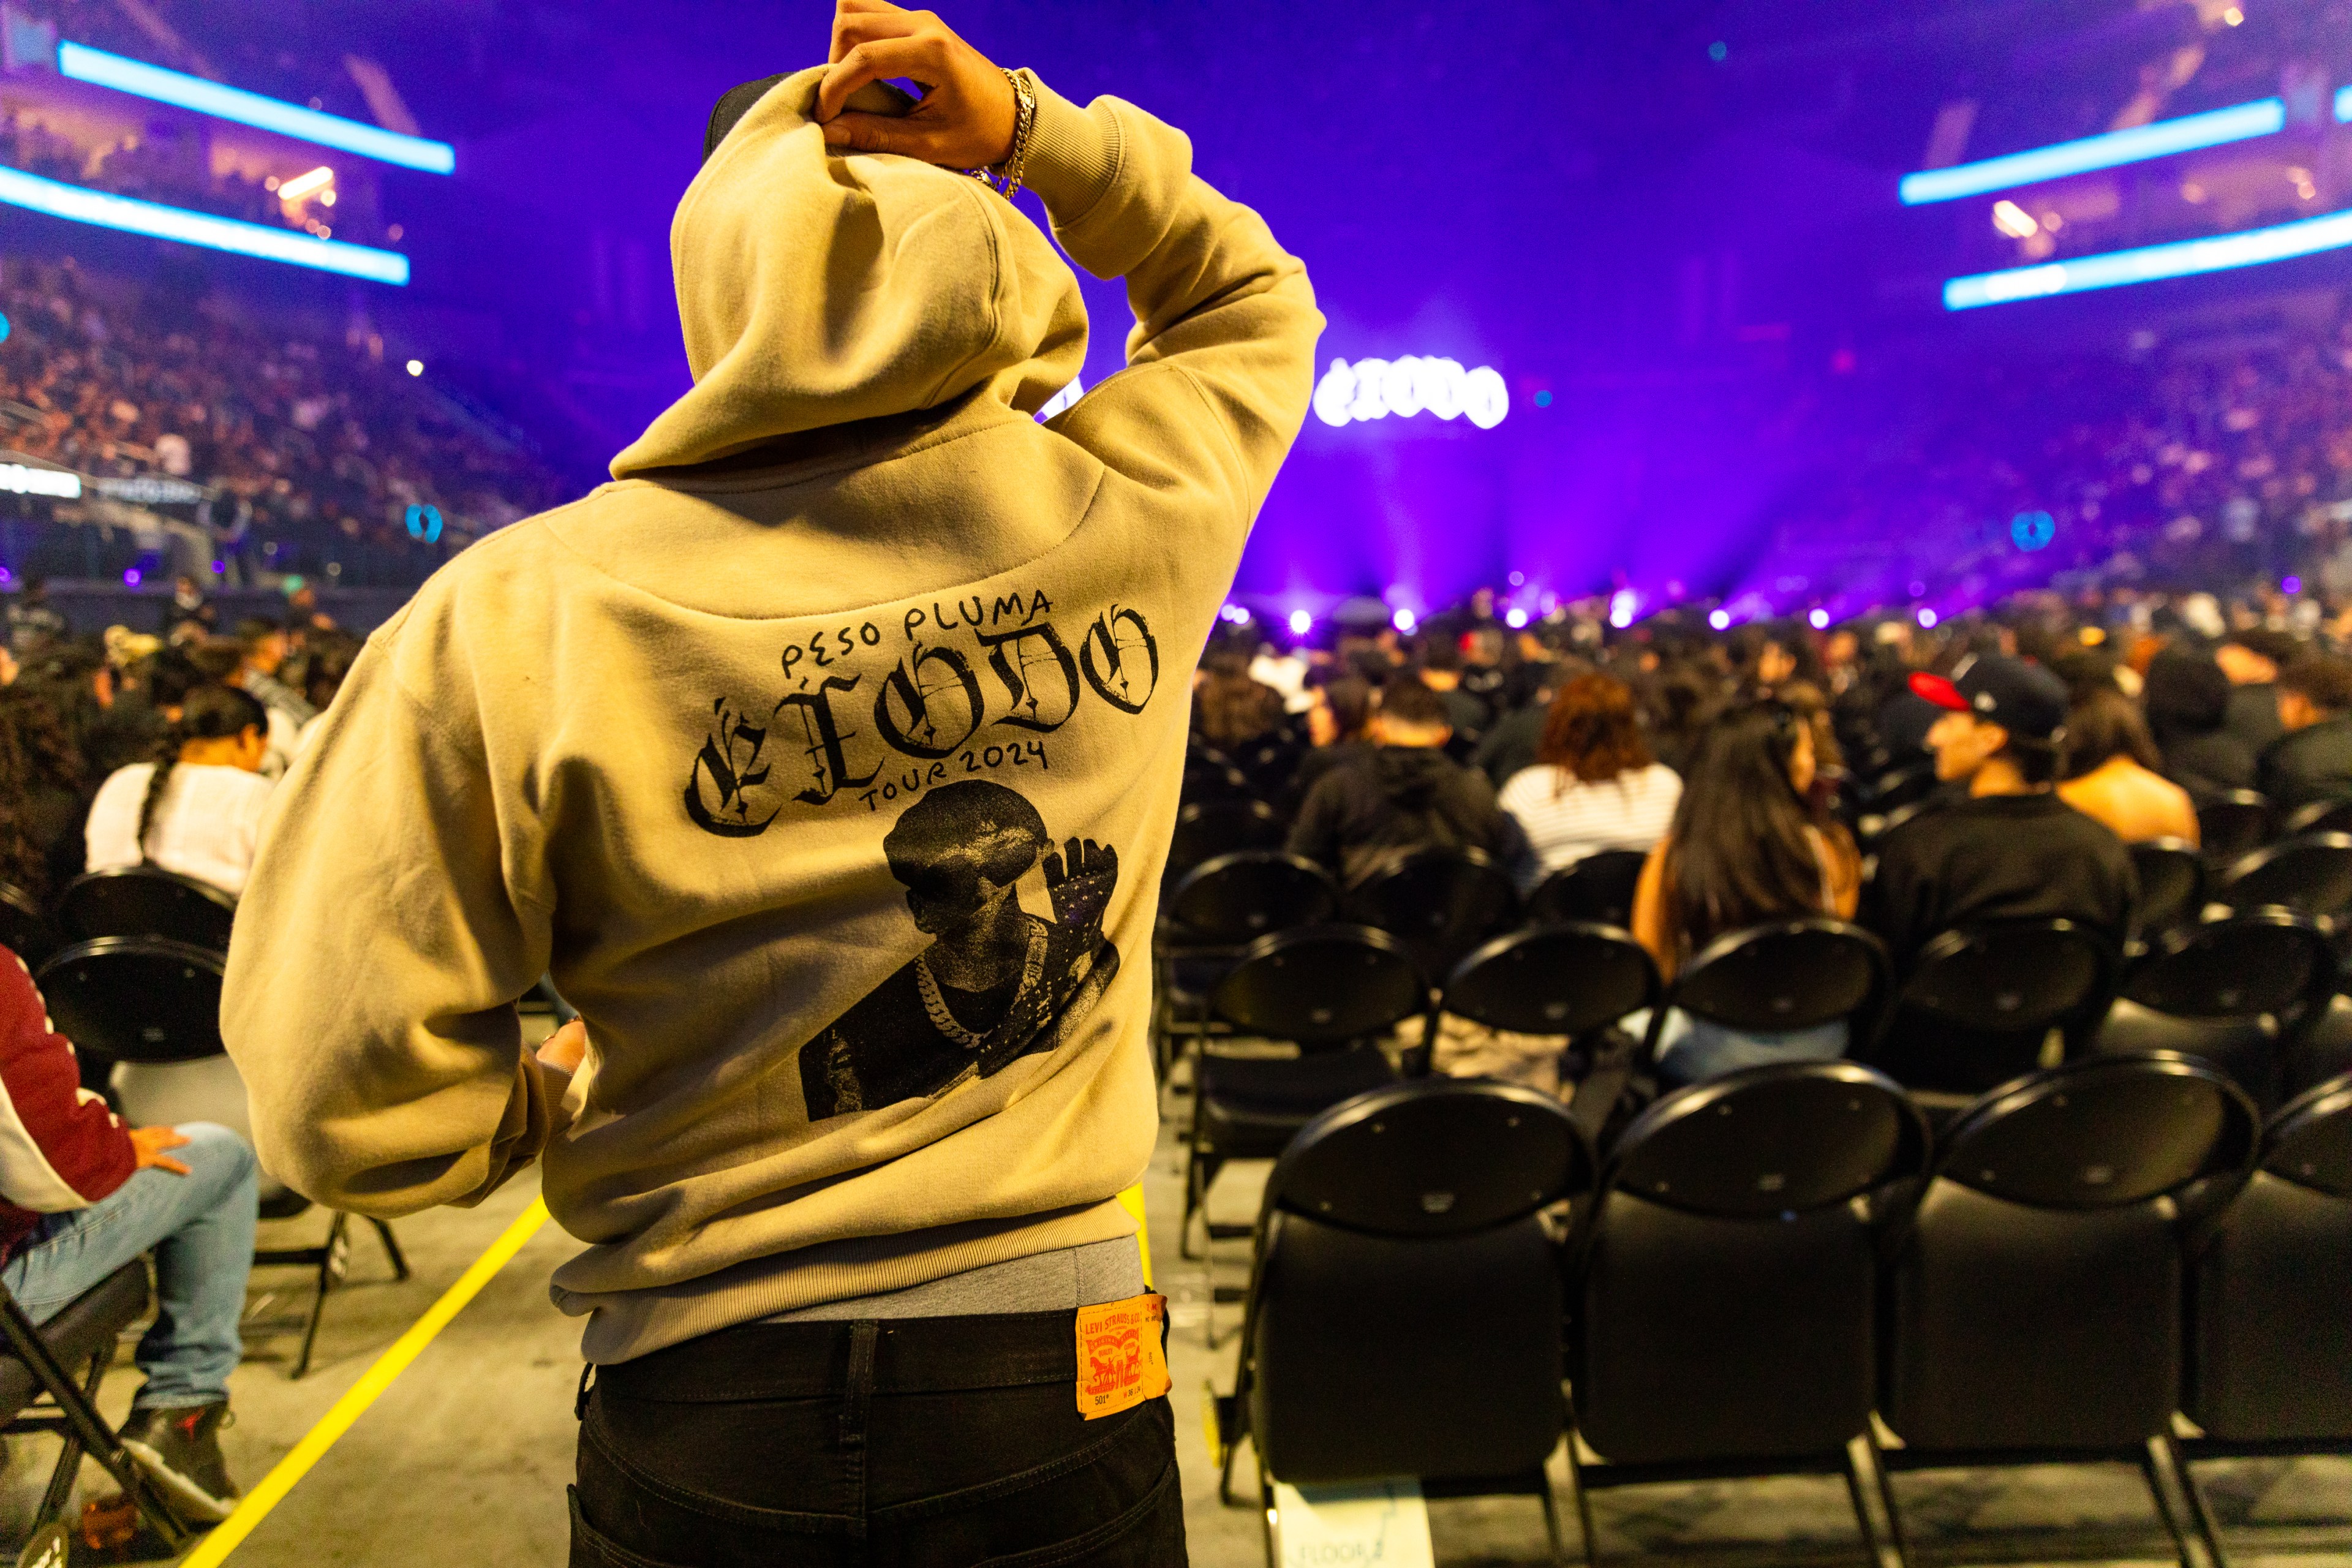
x=997, y=983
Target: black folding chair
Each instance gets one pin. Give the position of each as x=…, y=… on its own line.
x=152, y=1001
x=1332, y=991
x=39, y=1393
x=143, y=900
x=1573, y=981
x=2232, y=825
x=1405, y=1305
x=1206, y=829
x=1597, y=888
x=2312, y=874
x=2225, y=991
x=2319, y=816
x=1771, y=979
x=1978, y=1008
x=2035, y=1315
x=2172, y=884
x=1211, y=916
x=2270, y=1352
x=1442, y=902
x=24, y=931
x=1727, y=1321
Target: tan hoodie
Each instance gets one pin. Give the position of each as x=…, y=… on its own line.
x=828, y=757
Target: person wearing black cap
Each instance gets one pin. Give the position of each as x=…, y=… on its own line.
x=2312, y=758
x=2009, y=848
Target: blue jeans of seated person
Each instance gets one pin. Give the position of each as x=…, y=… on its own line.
x=200, y=1227
x=1692, y=1050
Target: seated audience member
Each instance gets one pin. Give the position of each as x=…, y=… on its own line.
x=2113, y=772
x=1595, y=785
x=2188, y=703
x=1231, y=709
x=2009, y=848
x=41, y=786
x=197, y=809
x=83, y=1196
x=264, y=645
x=1441, y=672
x=1408, y=795
x=2253, y=659
x=33, y=622
x=2312, y=759
x=1745, y=846
x=1512, y=741
x=1338, y=728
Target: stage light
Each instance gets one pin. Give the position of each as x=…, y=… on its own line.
x=142, y=80
x=1543, y=400
x=1301, y=623
x=219, y=568
x=77, y=205
x=416, y=367
x=2290, y=585
x=1927, y=619
x=130, y=576
x=304, y=187
x=2014, y=220
x=2032, y=530
x=2182, y=258
x=1622, y=605
x=2239, y=123
x=1719, y=51
x=18, y=479
x=1818, y=620
x=1404, y=621
x=2233, y=16
x=1516, y=618
x=1376, y=388
x=1720, y=620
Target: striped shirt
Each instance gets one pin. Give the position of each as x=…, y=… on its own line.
x=1566, y=820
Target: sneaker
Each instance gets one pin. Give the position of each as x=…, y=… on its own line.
x=180, y=1450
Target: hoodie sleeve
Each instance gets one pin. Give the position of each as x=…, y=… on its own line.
x=60, y=1148
x=1221, y=364
x=378, y=953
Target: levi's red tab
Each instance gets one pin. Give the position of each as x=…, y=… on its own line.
x=1122, y=1360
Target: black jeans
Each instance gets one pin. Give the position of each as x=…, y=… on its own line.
x=915, y=1443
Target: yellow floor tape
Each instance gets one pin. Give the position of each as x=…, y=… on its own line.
x=365, y=1393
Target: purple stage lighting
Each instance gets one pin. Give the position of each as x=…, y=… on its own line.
x=2290, y=585
x=1927, y=619
x=130, y=577
x=1819, y=620
x=1718, y=620
x=1301, y=623
x=1404, y=620
x=1516, y=618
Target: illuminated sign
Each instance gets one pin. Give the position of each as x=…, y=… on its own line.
x=21, y=480
x=1376, y=388
x=77, y=205
x=2183, y=258
x=138, y=78
x=146, y=489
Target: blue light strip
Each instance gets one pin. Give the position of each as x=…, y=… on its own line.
x=80, y=205
x=2183, y=258
x=101, y=69
x=2344, y=105
x=2239, y=123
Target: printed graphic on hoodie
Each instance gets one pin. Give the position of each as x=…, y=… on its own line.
x=874, y=716
x=996, y=984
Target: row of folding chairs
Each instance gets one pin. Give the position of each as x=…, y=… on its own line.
x=1768, y=1269
x=2251, y=993
x=139, y=900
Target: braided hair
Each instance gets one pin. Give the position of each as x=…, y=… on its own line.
x=210, y=713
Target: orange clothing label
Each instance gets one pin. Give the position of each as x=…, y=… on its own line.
x=1121, y=1359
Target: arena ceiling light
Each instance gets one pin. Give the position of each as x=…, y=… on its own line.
x=2183, y=258
x=2239, y=123
x=82, y=63
x=77, y=205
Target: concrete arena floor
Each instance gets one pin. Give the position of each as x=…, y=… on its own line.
x=465, y=1459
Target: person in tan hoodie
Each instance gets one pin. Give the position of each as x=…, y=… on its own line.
x=827, y=758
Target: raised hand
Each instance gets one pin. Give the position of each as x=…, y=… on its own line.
x=1080, y=880
x=967, y=115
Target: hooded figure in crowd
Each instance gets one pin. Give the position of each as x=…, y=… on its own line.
x=761, y=749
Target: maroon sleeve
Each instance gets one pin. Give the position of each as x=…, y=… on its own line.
x=60, y=1147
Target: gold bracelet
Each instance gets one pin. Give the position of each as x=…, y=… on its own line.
x=1004, y=178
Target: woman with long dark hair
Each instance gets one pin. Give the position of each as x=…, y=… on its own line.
x=196, y=808
x=41, y=784
x=1231, y=708
x=1595, y=785
x=1746, y=848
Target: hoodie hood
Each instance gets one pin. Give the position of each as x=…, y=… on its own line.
x=1409, y=776
x=817, y=288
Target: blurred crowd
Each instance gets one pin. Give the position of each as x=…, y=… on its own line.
x=307, y=444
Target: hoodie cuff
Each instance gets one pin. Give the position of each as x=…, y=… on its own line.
x=1074, y=154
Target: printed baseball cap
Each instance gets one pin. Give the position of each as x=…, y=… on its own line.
x=2024, y=699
